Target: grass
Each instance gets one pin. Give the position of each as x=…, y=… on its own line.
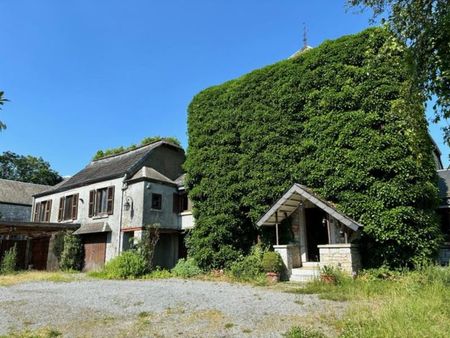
x=40, y=333
x=33, y=276
x=390, y=304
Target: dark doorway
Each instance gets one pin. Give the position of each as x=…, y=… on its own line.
x=316, y=232
x=39, y=253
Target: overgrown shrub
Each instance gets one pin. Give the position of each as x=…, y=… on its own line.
x=249, y=268
x=72, y=253
x=9, y=261
x=186, y=268
x=147, y=245
x=129, y=264
x=272, y=262
x=343, y=119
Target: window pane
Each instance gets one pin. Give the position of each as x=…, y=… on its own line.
x=102, y=201
x=68, y=208
x=156, y=201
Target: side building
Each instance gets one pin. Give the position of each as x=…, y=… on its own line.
x=115, y=197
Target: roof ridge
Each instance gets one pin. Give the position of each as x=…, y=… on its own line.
x=29, y=183
x=127, y=151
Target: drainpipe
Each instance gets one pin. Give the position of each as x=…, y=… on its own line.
x=124, y=187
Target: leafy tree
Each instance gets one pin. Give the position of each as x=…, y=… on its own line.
x=2, y=101
x=27, y=169
x=113, y=151
x=424, y=25
x=343, y=119
x=71, y=257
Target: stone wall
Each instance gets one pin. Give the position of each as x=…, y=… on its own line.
x=344, y=256
x=290, y=254
x=15, y=212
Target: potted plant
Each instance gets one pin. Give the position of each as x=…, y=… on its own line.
x=272, y=265
x=328, y=274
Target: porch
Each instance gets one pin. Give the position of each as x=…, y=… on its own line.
x=319, y=234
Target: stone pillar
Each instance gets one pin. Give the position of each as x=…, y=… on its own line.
x=344, y=256
x=290, y=254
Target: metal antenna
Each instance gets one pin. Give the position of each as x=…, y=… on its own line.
x=305, y=38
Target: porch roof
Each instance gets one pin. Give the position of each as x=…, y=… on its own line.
x=291, y=200
x=33, y=229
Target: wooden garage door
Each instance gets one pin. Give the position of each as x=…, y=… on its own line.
x=39, y=253
x=94, y=251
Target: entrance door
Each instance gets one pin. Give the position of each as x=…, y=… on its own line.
x=94, y=251
x=316, y=232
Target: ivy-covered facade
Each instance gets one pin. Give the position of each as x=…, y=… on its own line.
x=342, y=119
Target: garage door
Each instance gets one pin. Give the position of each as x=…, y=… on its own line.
x=39, y=253
x=94, y=251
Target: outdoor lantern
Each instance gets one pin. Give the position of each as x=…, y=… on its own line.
x=128, y=204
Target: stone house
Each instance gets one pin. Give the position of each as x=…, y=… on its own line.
x=115, y=197
x=30, y=239
x=16, y=199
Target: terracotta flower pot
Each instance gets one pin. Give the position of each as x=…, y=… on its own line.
x=273, y=277
x=329, y=279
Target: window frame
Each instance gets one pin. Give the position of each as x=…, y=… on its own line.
x=159, y=205
x=108, y=202
x=68, y=207
x=42, y=211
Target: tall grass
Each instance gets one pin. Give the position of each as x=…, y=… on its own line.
x=392, y=304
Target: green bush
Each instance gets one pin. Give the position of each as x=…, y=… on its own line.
x=186, y=268
x=249, y=268
x=272, y=262
x=9, y=261
x=343, y=119
x=129, y=264
x=72, y=253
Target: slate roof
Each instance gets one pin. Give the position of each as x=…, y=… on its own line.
x=16, y=192
x=291, y=200
x=180, y=180
x=110, y=167
x=150, y=173
x=444, y=183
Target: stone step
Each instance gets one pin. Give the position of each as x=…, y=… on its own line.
x=305, y=274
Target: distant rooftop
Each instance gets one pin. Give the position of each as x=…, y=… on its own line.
x=16, y=192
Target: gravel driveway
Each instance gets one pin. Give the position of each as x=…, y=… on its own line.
x=157, y=308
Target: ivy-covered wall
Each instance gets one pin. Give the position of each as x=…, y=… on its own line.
x=342, y=119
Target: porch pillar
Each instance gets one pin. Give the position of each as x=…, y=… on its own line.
x=276, y=228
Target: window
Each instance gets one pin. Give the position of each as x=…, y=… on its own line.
x=68, y=208
x=42, y=211
x=101, y=202
x=156, y=201
x=181, y=203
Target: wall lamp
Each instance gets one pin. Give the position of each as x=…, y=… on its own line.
x=128, y=204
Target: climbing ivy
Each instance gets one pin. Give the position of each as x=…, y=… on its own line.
x=343, y=119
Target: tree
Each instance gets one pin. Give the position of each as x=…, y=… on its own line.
x=342, y=119
x=424, y=26
x=2, y=101
x=27, y=169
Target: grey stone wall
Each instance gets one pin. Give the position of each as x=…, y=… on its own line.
x=344, y=256
x=15, y=212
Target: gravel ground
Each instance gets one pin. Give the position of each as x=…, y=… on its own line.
x=157, y=308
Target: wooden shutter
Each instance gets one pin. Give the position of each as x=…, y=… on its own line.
x=91, y=202
x=36, y=211
x=75, y=206
x=110, y=202
x=61, y=209
x=176, y=203
x=48, y=209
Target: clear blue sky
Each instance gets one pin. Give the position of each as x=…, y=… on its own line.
x=86, y=75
